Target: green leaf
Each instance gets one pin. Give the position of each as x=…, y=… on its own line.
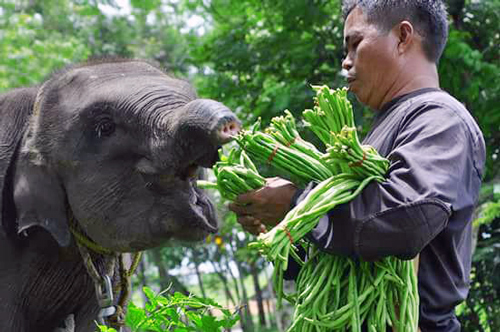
x=209, y=324
x=88, y=10
x=103, y=328
x=172, y=314
x=149, y=294
x=230, y=321
x=134, y=316
x=194, y=317
x=146, y=5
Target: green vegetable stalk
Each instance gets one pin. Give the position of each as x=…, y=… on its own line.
x=236, y=174
x=332, y=112
x=284, y=130
x=266, y=149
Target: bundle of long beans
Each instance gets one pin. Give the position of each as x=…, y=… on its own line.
x=266, y=148
x=379, y=294
x=349, y=293
x=331, y=113
x=346, y=148
x=236, y=174
x=284, y=130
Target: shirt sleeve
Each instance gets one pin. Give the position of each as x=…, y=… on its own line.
x=399, y=217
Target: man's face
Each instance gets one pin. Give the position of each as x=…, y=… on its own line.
x=371, y=61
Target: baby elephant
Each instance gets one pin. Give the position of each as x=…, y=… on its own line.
x=99, y=160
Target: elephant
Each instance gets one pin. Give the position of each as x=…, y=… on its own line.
x=107, y=149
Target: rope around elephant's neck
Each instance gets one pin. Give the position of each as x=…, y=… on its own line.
x=85, y=241
x=85, y=245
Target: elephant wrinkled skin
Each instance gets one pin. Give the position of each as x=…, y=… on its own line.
x=114, y=146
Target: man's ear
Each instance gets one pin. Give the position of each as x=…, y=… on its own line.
x=406, y=36
x=40, y=200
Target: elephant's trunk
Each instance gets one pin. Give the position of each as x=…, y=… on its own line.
x=202, y=127
x=212, y=119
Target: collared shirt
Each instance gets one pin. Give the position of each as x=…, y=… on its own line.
x=426, y=204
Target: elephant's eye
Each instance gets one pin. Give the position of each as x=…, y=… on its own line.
x=105, y=127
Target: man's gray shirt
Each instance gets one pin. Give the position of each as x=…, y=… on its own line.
x=425, y=206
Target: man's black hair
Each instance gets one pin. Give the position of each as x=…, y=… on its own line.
x=428, y=17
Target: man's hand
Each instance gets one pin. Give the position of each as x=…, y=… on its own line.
x=265, y=206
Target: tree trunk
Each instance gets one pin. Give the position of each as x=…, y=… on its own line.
x=200, y=281
x=455, y=9
x=142, y=277
x=235, y=280
x=222, y=277
x=475, y=229
x=269, y=322
x=258, y=294
x=272, y=301
x=167, y=280
x=246, y=321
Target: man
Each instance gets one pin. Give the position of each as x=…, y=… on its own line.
x=435, y=148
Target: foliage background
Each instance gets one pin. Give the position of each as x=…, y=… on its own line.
x=259, y=58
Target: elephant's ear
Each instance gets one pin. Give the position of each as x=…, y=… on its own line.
x=40, y=200
x=15, y=109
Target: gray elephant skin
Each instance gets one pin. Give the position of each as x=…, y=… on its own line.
x=113, y=146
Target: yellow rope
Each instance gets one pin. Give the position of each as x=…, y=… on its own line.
x=117, y=320
x=82, y=239
x=85, y=241
x=135, y=263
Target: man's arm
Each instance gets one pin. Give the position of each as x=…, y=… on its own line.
x=431, y=159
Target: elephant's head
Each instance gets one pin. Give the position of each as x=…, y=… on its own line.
x=118, y=145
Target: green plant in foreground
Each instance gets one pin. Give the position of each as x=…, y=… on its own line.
x=177, y=312
x=489, y=212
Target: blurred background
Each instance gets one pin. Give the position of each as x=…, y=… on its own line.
x=259, y=58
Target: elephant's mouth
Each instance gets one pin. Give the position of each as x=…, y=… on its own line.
x=204, y=209
x=191, y=171
x=204, y=213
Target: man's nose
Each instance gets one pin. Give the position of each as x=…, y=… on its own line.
x=347, y=63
